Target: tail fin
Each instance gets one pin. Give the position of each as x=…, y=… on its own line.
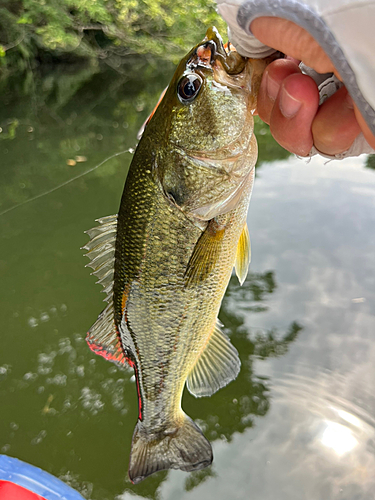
x=185, y=448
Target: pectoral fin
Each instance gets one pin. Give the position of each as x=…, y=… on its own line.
x=205, y=254
x=218, y=365
x=243, y=255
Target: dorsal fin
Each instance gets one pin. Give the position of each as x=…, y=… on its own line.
x=103, y=337
x=101, y=252
x=218, y=365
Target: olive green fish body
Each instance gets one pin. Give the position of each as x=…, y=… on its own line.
x=177, y=318
x=166, y=259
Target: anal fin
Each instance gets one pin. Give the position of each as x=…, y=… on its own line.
x=243, y=255
x=218, y=365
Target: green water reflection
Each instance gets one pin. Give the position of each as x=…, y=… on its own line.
x=73, y=413
x=63, y=408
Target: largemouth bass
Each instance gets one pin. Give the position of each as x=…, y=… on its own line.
x=166, y=259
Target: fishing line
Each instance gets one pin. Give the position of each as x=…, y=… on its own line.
x=130, y=150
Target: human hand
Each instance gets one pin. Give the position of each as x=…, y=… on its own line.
x=289, y=100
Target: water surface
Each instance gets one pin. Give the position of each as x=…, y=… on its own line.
x=299, y=421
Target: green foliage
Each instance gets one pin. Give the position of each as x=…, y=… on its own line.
x=103, y=28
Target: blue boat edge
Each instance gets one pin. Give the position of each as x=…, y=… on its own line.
x=35, y=480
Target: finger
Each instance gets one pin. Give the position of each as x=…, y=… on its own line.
x=293, y=40
x=293, y=113
x=369, y=136
x=273, y=76
x=335, y=126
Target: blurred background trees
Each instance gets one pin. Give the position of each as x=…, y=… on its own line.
x=79, y=77
x=33, y=32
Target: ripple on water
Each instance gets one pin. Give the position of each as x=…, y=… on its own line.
x=329, y=433
x=316, y=442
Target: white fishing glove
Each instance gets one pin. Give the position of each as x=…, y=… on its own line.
x=327, y=88
x=343, y=28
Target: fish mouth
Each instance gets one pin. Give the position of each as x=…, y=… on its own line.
x=229, y=69
x=211, y=51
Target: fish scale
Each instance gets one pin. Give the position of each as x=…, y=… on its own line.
x=180, y=230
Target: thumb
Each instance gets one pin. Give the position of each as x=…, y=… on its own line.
x=291, y=39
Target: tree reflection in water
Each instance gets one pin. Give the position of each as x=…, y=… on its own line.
x=370, y=162
x=94, y=114
x=233, y=408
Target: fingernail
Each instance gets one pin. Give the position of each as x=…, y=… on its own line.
x=289, y=106
x=272, y=88
x=293, y=59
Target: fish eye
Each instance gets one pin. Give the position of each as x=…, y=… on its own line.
x=188, y=88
